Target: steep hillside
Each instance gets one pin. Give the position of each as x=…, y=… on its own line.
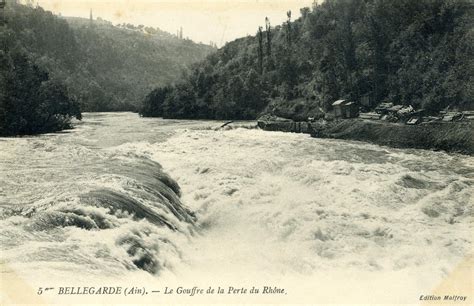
x=31, y=102
x=417, y=53
x=104, y=66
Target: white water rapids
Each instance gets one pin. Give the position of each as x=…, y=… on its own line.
x=329, y=220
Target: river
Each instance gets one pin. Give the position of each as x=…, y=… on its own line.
x=127, y=199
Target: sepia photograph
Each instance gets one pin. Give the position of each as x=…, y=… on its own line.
x=234, y=152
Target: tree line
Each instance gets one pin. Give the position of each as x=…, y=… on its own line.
x=417, y=53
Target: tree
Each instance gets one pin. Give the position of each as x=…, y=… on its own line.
x=268, y=30
x=260, y=50
x=153, y=103
x=288, y=29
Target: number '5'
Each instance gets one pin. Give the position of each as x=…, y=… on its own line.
x=40, y=291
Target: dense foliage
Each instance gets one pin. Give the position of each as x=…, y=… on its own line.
x=30, y=102
x=418, y=53
x=106, y=67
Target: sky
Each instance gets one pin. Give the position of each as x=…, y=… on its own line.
x=219, y=21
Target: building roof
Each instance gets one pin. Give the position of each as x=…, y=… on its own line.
x=338, y=102
x=395, y=108
x=384, y=106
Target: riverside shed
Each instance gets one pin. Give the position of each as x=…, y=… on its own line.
x=345, y=109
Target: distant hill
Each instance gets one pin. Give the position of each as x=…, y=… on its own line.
x=408, y=52
x=105, y=67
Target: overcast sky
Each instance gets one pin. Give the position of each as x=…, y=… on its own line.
x=202, y=20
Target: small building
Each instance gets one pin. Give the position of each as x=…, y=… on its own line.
x=366, y=101
x=468, y=115
x=414, y=121
x=351, y=110
x=345, y=109
x=370, y=116
x=394, y=109
x=338, y=108
x=383, y=108
x=452, y=116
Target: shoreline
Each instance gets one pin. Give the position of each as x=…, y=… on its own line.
x=453, y=137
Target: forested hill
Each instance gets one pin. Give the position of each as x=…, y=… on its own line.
x=106, y=67
x=418, y=53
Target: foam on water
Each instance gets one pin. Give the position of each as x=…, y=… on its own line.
x=274, y=204
x=88, y=209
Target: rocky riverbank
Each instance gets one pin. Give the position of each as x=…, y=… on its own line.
x=449, y=136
